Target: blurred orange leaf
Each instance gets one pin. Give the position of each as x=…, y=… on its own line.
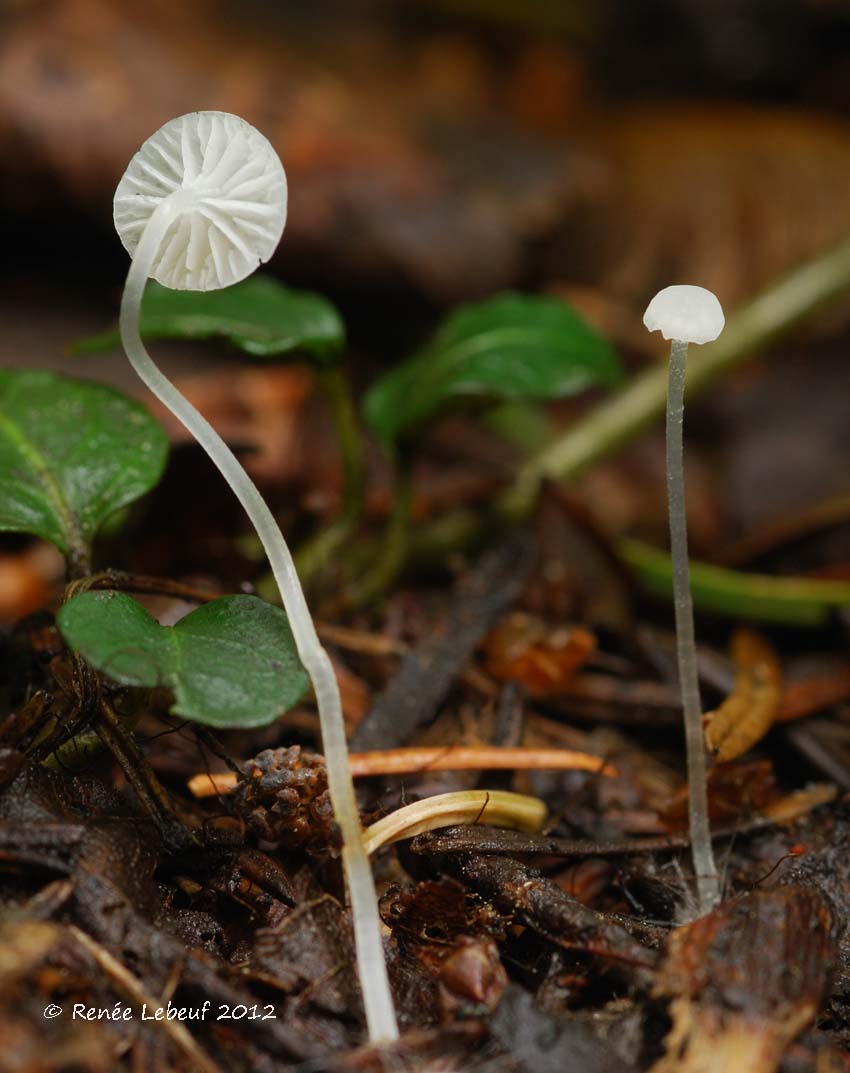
x=524, y=649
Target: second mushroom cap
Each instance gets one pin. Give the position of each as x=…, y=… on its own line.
x=685, y=312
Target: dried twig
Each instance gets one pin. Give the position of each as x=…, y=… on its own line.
x=540, y=903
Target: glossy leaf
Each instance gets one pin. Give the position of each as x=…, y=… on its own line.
x=230, y=663
x=513, y=346
x=72, y=453
x=259, y=316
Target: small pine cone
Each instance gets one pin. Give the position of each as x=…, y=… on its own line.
x=283, y=797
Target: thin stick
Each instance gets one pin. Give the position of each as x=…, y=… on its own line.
x=380, y=1013
x=125, y=582
x=120, y=742
x=708, y=883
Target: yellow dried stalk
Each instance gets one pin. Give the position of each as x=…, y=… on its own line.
x=497, y=808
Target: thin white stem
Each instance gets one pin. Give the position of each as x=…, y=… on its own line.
x=708, y=883
x=380, y=1013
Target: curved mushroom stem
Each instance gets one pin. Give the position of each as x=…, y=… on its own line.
x=708, y=883
x=380, y=1013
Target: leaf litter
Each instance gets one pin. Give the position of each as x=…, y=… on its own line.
x=249, y=911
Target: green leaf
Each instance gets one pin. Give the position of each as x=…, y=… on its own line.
x=259, y=316
x=230, y=663
x=71, y=454
x=513, y=346
x=787, y=601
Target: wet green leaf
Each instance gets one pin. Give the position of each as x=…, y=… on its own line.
x=71, y=454
x=259, y=316
x=230, y=663
x=513, y=346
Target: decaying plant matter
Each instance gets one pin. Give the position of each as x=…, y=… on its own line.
x=745, y=980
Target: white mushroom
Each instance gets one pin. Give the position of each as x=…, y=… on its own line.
x=202, y=204
x=219, y=190
x=691, y=314
x=686, y=314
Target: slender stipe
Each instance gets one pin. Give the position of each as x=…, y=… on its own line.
x=708, y=883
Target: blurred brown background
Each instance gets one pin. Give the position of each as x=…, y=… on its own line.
x=445, y=149
x=439, y=151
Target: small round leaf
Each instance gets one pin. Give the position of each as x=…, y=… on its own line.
x=230, y=663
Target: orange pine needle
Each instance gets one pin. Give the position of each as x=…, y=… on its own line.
x=419, y=759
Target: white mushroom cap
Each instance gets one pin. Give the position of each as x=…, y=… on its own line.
x=235, y=204
x=689, y=314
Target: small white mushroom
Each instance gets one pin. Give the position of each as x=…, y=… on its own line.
x=690, y=314
x=202, y=204
x=686, y=314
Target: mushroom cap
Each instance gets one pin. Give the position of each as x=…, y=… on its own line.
x=233, y=200
x=689, y=314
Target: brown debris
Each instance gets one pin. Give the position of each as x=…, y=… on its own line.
x=377, y=199
x=311, y=954
x=416, y=760
x=736, y=791
x=799, y=802
x=438, y=911
x=745, y=980
x=471, y=972
x=826, y=744
x=133, y=990
x=454, y=937
x=541, y=904
x=22, y=947
x=482, y=839
x=468, y=176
